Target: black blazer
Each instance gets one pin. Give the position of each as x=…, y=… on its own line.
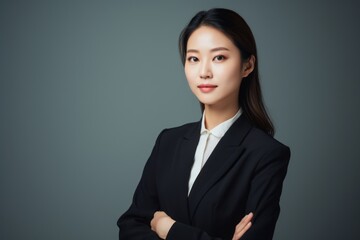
x=243, y=174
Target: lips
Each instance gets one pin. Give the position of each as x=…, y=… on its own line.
x=206, y=87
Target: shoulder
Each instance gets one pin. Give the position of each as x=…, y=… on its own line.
x=180, y=131
x=169, y=138
x=264, y=140
x=264, y=145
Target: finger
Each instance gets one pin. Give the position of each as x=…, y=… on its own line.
x=159, y=214
x=244, y=221
x=246, y=218
x=155, y=219
x=239, y=234
x=243, y=226
x=152, y=224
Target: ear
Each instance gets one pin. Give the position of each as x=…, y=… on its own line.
x=248, y=66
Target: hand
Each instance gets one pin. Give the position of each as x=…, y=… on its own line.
x=161, y=224
x=243, y=226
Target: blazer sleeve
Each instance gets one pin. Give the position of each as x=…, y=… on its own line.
x=265, y=192
x=135, y=222
x=263, y=200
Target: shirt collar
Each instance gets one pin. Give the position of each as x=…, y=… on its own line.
x=220, y=130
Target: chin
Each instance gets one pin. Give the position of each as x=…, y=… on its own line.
x=208, y=103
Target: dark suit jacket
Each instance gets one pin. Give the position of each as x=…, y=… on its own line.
x=243, y=174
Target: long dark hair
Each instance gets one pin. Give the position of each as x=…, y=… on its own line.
x=234, y=27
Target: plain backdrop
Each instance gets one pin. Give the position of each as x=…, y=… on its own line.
x=86, y=86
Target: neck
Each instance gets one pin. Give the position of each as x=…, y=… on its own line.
x=214, y=116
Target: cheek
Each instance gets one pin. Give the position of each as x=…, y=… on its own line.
x=190, y=76
x=191, y=79
x=232, y=75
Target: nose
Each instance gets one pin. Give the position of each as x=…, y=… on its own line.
x=205, y=71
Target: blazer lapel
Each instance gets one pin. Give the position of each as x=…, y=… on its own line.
x=181, y=168
x=221, y=159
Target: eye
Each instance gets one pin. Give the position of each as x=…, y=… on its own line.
x=219, y=58
x=192, y=59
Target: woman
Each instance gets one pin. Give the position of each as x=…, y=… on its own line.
x=221, y=177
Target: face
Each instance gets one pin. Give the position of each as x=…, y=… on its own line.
x=213, y=68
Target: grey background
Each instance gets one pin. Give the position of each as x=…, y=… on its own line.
x=86, y=86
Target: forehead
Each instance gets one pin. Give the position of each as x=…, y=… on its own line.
x=209, y=37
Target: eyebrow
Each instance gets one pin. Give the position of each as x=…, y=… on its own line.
x=212, y=50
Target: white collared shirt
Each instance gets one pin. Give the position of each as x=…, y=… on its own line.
x=207, y=142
